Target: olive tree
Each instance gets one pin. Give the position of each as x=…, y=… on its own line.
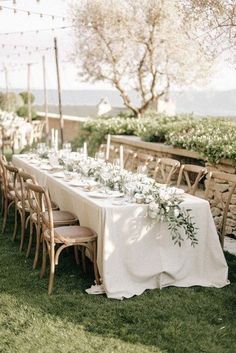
x=141, y=45
x=215, y=21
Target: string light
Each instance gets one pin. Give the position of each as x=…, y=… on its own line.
x=29, y=12
x=29, y=52
x=36, y=31
x=33, y=47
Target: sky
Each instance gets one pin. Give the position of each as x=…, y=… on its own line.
x=15, y=59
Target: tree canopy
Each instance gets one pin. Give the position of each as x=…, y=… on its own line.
x=142, y=45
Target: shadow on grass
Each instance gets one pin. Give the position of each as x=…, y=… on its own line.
x=174, y=319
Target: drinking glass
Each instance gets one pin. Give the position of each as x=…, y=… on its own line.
x=67, y=146
x=99, y=156
x=129, y=189
x=105, y=174
x=142, y=169
x=116, y=162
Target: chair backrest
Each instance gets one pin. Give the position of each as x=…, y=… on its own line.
x=20, y=190
x=191, y=175
x=3, y=174
x=41, y=203
x=217, y=197
x=129, y=159
x=10, y=178
x=144, y=158
x=166, y=169
x=37, y=130
x=113, y=151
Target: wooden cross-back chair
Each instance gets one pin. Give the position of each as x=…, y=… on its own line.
x=37, y=210
x=191, y=175
x=142, y=159
x=9, y=174
x=223, y=199
x=166, y=169
x=113, y=151
x=129, y=159
x=56, y=239
x=2, y=161
x=22, y=207
x=37, y=132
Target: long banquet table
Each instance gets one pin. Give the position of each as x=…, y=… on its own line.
x=134, y=253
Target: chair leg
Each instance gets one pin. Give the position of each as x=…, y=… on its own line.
x=83, y=258
x=95, y=266
x=30, y=238
x=15, y=225
x=76, y=254
x=22, y=231
x=38, y=238
x=51, y=277
x=44, y=260
x=222, y=240
x=2, y=204
x=5, y=215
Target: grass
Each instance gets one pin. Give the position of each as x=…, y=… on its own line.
x=173, y=320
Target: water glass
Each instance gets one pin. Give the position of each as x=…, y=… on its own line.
x=67, y=146
x=142, y=169
x=100, y=156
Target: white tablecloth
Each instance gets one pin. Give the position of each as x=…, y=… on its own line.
x=135, y=254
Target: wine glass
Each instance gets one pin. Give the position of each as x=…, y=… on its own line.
x=116, y=162
x=99, y=156
x=67, y=146
x=129, y=189
x=105, y=175
x=142, y=169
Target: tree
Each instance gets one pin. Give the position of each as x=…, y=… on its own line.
x=24, y=96
x=216, y=22
x=10, y=101
x=141, y=45
x=24, y=112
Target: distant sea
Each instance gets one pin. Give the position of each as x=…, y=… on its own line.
x=81, y=102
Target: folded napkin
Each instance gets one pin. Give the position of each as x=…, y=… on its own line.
x=96, y=289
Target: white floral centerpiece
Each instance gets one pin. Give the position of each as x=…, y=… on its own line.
x=164, y=203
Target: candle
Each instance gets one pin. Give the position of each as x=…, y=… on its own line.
x=56, y=140
x=52, y=138
x=108, y=146
x=121, y=156
x=85, y=149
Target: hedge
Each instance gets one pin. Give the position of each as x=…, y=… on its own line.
x=214, y=138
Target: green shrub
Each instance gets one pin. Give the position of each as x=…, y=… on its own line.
x=23, y=111
x=10, y=102
x=214, y=138
x=24, y=96
x=94, y=131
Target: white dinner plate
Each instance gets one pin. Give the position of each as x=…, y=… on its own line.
x=59, y=175
x=177, y=191
x=45, y=167
x=83, y=183
x=103, y=195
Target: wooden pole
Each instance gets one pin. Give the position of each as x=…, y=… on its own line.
x=45, y=99
x=59, y=91
x=7, y=89
x=29, y=96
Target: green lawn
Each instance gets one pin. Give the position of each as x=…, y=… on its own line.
x=172, y=320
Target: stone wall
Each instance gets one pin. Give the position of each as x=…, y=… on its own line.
x=218, y=196
x=220, y=190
